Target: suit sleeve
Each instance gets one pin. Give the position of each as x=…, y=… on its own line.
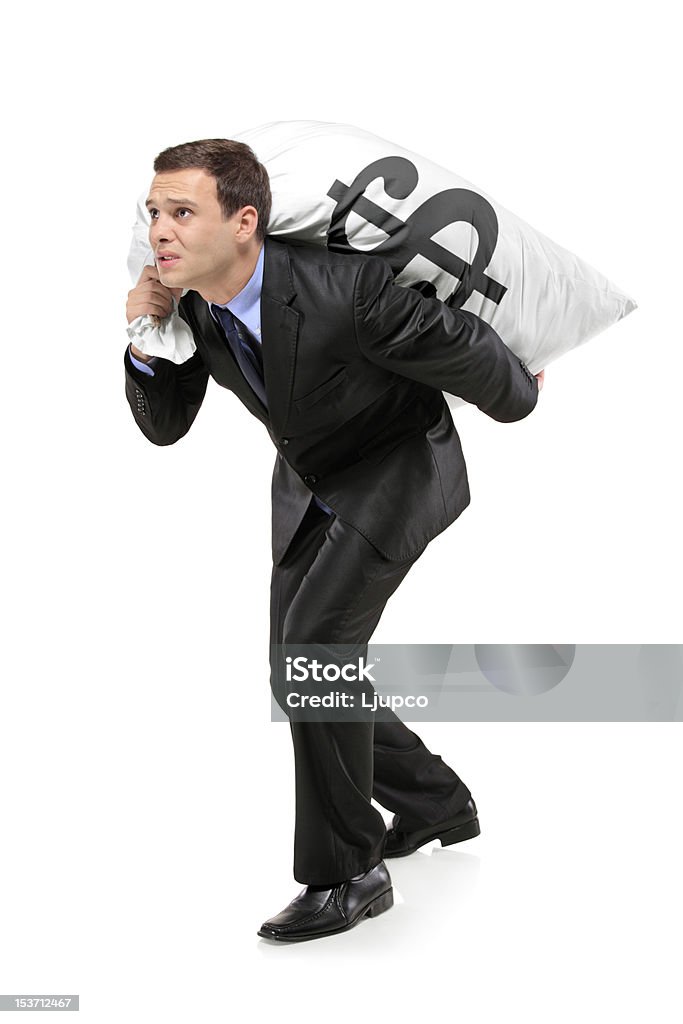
x=164, y=405
x=452, y=350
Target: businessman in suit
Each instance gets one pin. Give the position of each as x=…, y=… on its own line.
x=345, y=370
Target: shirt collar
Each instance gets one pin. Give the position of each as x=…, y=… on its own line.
x=246, y=305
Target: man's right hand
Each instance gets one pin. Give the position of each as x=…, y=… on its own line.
x=149, y=297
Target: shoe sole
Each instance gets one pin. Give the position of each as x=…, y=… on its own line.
x=377, y=906
x=468, y=830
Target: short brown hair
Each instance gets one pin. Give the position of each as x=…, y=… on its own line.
x=240, y=179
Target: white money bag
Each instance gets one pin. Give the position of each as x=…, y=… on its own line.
x=339, y=186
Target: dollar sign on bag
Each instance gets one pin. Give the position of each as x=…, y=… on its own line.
x=414, y=235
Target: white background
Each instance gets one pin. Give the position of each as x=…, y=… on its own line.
x=146, y=805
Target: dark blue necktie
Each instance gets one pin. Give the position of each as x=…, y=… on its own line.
x=246, y=350
x=249, y=357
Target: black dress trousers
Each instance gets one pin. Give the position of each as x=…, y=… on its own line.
x=331, y=588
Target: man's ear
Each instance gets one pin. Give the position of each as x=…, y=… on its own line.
x=247, y=224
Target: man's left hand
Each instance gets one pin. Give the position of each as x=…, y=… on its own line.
x=540, y=378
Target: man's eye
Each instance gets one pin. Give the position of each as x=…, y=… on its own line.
x=183, y=210
x=153, y=214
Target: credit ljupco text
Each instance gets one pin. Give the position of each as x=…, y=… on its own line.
x=302, y=669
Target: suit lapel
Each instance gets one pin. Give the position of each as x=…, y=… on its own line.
x=218, y=355
x=279, y=333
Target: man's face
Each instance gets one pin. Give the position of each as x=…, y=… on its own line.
x=194, y=246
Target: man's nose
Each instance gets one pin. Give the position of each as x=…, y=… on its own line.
x=160, y=230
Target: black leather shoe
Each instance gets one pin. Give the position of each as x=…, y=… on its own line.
x=463, y=825
x=313, y=914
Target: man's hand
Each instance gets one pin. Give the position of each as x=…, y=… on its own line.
x=150, y=297
x=540, y=377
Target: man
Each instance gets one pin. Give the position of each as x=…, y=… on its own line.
x=346, y=371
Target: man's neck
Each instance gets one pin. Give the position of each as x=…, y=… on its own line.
x=223, y=291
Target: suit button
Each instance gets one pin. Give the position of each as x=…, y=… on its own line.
x=285, y=440
x=310, y=479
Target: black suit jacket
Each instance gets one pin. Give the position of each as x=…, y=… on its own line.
x=354, y=370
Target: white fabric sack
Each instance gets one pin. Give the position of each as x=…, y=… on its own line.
x=167, y=336
x=339, y=186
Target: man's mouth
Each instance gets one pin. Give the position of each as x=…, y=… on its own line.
x=166, y=259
